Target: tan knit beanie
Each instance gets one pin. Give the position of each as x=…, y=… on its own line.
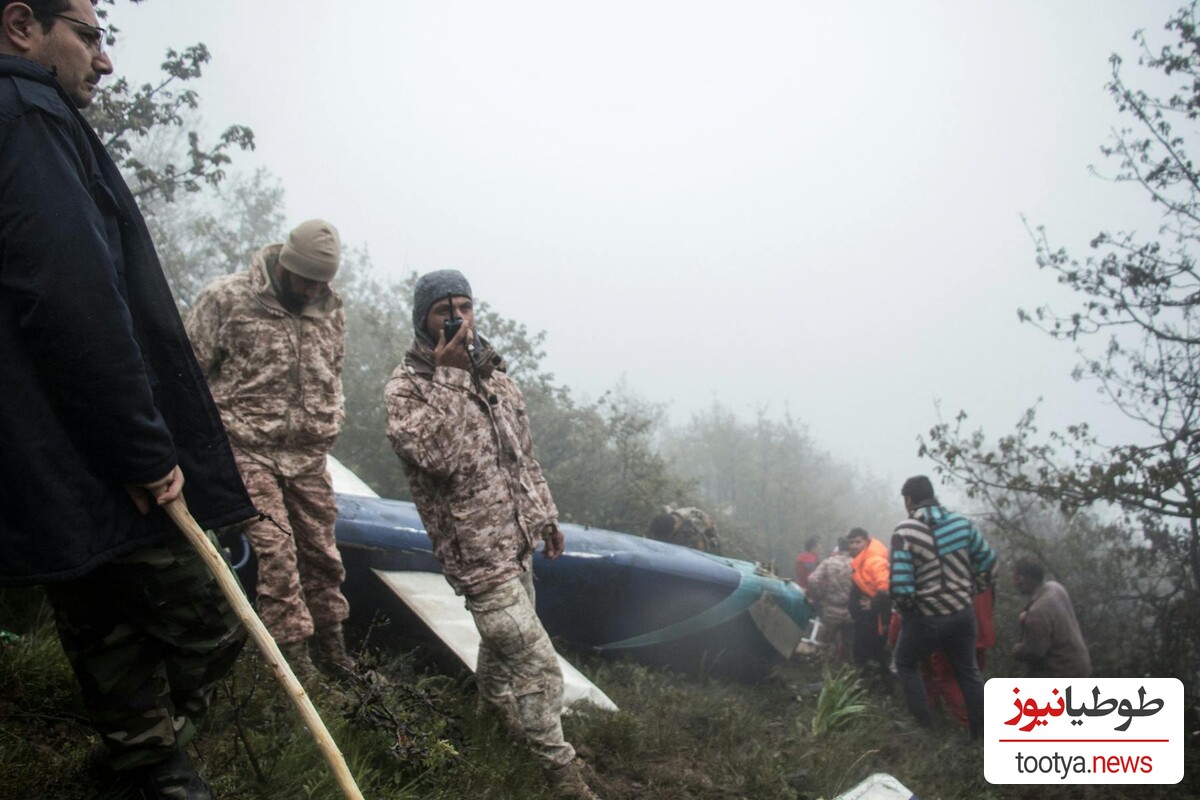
x=312, y=250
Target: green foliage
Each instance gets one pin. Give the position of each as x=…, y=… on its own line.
x=41, y=723
x=604, y=459
x=842, y=700
x=1128, y=574
x=203, y=225
x=410, y=717
x=1140, y=296
x=601, y=458
x=675, y=736
x=124, y=116
x=681, y=737
x=378, y=333
x=202, y=236
x=770, y=487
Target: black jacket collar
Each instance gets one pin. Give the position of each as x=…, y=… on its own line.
x=18, y=67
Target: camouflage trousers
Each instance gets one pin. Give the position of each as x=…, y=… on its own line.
x=518, y=669
x=300, y=570
x=147, y=635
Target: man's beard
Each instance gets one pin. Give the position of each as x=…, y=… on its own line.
x=291, y=301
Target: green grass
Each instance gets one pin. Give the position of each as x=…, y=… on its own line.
x=842, y=700
x=790, y=736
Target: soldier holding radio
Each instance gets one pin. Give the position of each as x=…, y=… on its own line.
x=458, y=424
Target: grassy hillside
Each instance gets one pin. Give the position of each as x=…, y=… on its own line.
x=676, y=736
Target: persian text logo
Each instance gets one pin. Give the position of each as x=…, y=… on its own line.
x=1083, y=730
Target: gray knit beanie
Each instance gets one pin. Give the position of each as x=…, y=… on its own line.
x=313, y=250
x=431, y=287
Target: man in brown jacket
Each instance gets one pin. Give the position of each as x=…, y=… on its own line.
x=458, y=424
x=1051, y=643
x=271, y=341
x=829, y=587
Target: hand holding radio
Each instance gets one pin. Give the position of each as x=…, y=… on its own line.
x=455, y=342
x=452, y=326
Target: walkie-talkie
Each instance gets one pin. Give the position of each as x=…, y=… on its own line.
x=450, y=327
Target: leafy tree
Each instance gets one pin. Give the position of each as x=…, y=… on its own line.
x=202, y=224
x=602, y=459
x=378, y=332
x=124, y=115
x=1130, y=599
x=204, y=235
x=771, y=486
x=1139, y=296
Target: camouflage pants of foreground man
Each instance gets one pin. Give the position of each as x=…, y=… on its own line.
x=300, y=571
x=518, y=669
x=148, y=635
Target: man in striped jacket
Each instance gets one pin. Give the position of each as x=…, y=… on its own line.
x=939, y=561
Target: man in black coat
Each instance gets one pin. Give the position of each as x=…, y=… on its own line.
x=103, y=412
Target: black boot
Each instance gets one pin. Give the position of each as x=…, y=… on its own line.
x=329, y=652
x=331, y=657
x=173, y=779
x=567, y=782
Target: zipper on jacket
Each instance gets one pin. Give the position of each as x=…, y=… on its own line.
x=296, y=368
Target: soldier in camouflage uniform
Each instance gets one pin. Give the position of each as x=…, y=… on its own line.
x=125, y=675
x=271, y=341
x=829, y=587
x=103, y=412
x=458, y=424
x=689, y=527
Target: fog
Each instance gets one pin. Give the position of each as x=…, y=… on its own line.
x=810, y=207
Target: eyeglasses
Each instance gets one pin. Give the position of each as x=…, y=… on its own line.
x=94, y=36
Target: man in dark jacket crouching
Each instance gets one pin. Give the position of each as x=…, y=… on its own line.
x=103, y=411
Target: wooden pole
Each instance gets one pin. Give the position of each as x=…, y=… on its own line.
x=266, y=645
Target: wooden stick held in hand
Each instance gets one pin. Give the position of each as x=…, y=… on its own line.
x=266, y=645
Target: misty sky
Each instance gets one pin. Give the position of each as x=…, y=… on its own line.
x=800, y=205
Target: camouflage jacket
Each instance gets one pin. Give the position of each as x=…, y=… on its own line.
x=695, y=529
x=276, y=376
x=470, y=465
x=829, y=587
